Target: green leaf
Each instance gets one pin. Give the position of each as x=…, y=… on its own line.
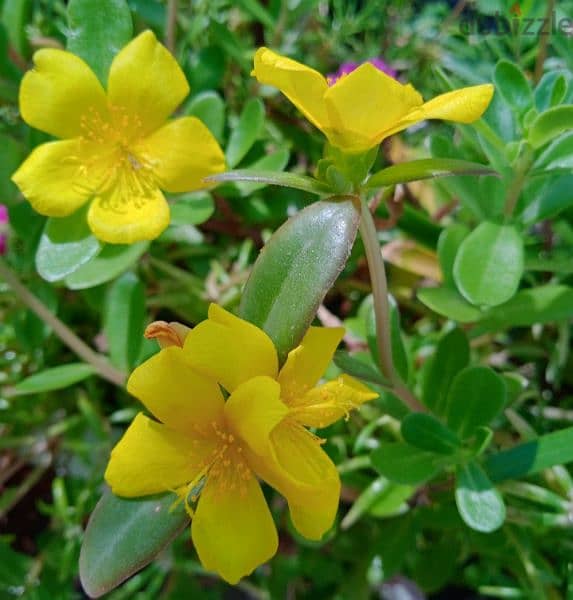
x=66, y=244
x=405, y=464
x=108, y=264
x=452, y=355
x=489, y=264
x=550, y=124
x=11, y=154
x=97, y=31
x=271, y=162
x=549, y=200
x=449, y=303
x=55, y=378
x=192, y=209
x=425, y=169
x=558, y=155
x=480, y=505
x=290, y=180
x=543, y=304
x=477, y=395
x=448, y=245
x=208, y=107
x=124, y=320
x=547, y=90
x=532, y=457
x=359, y=369
x=122, y=536
x=247, y=131
x=16, y=15
x=295, y=270
x=512, y=84
x=428, y=433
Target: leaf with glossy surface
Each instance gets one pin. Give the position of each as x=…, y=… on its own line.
x=550, y=199
x=449, y=303
x=405, y=464
x=208, y=107
x=448, y=245
x=558, y=155
x=55, y=378
x=477, y=395
x=511, y=83
x=291, y=180
x=480, y=505
x=550, y=124
x=489, y=264
x=124, y=535
x=295, y=270
x=192, y=209
x=428, y=433
x=97, y=31
x=247, y=131
x=66, y=244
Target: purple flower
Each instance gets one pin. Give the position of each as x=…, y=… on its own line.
x=3, y=228
x=350, y=66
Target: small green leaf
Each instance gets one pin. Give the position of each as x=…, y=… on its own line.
x=449, y=303
x=16, y=15
x=55, y=378
x=489, y=264
x=558, y=155
x=511, y=83
x=549, y=200
x=428, y=433
x=247, y=131
x=425, y=169
x=405, y=464
x=359, y=369
x=97, y=31
x=124, y=535
x=192, y=209
x=271, y=162
x=108, y=264
x=448, y=245
x=296, y=268
x=477, y=395
x=124, y=320
x=452, y=355
x=209, y=108
x=480, y=505
x=66, y=244
x=550, y=124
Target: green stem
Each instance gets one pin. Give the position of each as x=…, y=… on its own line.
x=382, y=309
x=519, y=176
x=68, y=337
x=171, y=25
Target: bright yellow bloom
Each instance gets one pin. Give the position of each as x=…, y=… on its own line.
x=118, y=149
x=365, y=106
x=221, y=447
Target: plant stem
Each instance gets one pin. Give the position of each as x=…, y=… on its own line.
x=382, y=309
x=171, y=25
x=519, y=175
x=68, y=337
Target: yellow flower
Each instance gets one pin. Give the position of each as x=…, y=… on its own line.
x=221, y=447
x=365, y=106
x=118, y=149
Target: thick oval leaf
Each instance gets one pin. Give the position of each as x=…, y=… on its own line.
x=405, y=464
x=124, y=320
x=66, y=244
x=489, y=264
x=511, y=83
x=247, y=131
x=448, y=244
x=477, y=395
x=296, y=268
x=192, y=209
x=550, y=124
x=97, y=31
x=56, y=378
x=550, y=90
x=452, y=355
x=449, y=303
x=122, y=536
x=108, y=264
x=550, y=199
x=480, y=505
x=208, y=107
x=558, y=155
x=428, y=433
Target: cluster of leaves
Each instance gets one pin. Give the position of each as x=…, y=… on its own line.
x=472, y=493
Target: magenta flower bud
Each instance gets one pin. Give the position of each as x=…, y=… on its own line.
x=348, y=67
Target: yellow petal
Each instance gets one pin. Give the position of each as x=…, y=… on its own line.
x=303, y=86
x=230, y=350
x=59, y=92
x=365, y=103
x=233, y=530
x=254, y=409
x=304, y=474
x=145, y=85
x=462, y=106
x=55, y=178
x=182, y=153
x=324, y=405
x=176, y=394
x=306, y=364
x=118, y=217
x=150, y=458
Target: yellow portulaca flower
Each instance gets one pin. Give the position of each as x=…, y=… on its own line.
x=203, y=442
x=118, y=149
x=366, y=106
